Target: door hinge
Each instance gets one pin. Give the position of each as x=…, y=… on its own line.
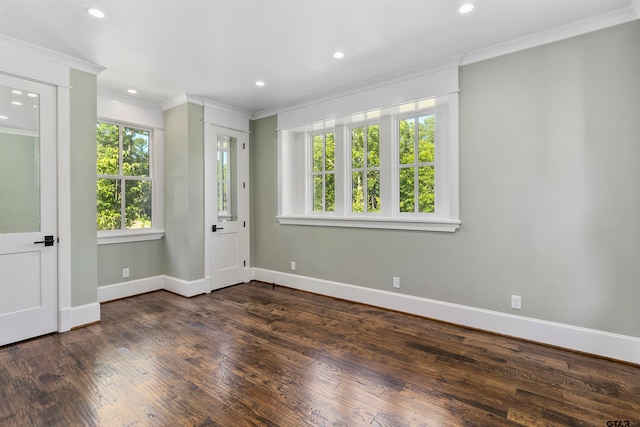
x=244, y=184
x=245, y=263
x=244, y=224
x=244, y=145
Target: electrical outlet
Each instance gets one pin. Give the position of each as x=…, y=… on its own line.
x=516, y=302
x=293, y=266
x=125, y=272
x=396, y=282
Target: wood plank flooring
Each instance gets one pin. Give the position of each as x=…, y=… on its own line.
x=250, y=355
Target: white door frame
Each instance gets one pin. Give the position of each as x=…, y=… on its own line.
x=30, y=62
x=210, y=200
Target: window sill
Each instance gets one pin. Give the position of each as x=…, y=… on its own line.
x=389, y=223
x=113, y=237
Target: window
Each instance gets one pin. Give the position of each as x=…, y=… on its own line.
x=323, y=172
x=365, y=169
x=393, y=167
x=125, y=181
x=416, y=165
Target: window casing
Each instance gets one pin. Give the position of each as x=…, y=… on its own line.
x=416, y=164
x=322, y=161
x=126, y=183
x=365, y=168
x=412, y=175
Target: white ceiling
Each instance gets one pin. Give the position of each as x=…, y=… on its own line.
x=219, y=48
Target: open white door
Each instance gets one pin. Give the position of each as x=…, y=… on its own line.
x=28, y=210
x=229, y=222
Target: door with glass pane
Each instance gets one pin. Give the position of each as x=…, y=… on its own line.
x=28, y=230
x=229, y=228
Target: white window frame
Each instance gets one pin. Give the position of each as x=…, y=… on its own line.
x=435, y=88
x=311, y=173
x=365, y=168
x=445, y=218
x=416, y=163
x=157, y=196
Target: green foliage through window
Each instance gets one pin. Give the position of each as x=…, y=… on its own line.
x=323, y=172
x=365, y=169
x=124, y=197
x=417, y=164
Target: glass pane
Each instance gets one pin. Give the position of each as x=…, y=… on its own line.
x=330, y=193
x=107, y=140
x=357, y=148
x=407, y=190
x=425, y=139
x=135, y=152
x=137, y=204
x=373, y=191
x=317, y=193
x=330, y=155
x=109, y=204
x=318, y=153
x=357, y=192
x=426, y=193
x=19, y=161
x=406, y=141
x=226, y=178
x=373, y=146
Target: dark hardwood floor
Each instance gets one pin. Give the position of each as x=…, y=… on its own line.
x=256, y=356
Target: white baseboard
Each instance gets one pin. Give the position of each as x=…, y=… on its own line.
x=600, y=343
x=85, y=314
x=185, y=288
x=130, y=288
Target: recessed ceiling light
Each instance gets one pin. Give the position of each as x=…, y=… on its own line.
x=259, y=83
x=32, y=95
x=466, y=8
x=17, y=92
x=338, y=55
x=96, y=13
x=4, y=117
x=16, y=103
x=132, y=91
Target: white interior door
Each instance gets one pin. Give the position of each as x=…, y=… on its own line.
x=229, y=228
x=28, y=210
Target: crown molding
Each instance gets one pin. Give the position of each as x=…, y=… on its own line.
x=133, y=100
x=50, y=55
x=386, y=80
x=589, y=25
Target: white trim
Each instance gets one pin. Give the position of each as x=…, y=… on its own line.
x=362, y=221
x=181, y=99
x=186, y=288
x=578, y=28
x=109, y=238
x=85, y=314
x=111, y=108
x=443, y=81
x=133, y=100
x=378, y=84
x=130, y=288
x=600, y=343
x=42, y=54
x=64, y=319
x=64, y=209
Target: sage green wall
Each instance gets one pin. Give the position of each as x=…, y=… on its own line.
x=549, y=146
x=143, y=259
x=184, y=192
x=83, y=188
x=19, y=183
